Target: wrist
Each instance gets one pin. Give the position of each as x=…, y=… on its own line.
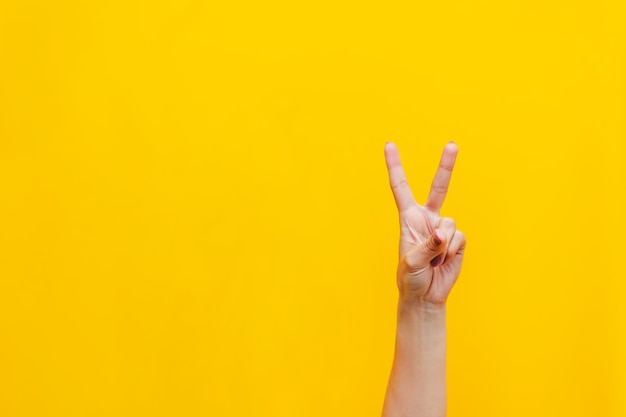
x=420, y=305
x=421, y=309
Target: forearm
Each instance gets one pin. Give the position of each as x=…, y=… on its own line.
x=417, y=383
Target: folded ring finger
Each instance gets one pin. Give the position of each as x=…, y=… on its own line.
x=448, y=226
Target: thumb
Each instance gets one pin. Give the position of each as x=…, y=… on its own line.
x=422, y=255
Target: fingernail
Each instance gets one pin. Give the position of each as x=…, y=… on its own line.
x=435, y=261
x=451, y=141
x=437, y=237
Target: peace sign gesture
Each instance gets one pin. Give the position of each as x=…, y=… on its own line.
x=431, y=249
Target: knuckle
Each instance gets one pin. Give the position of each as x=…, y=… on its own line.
x=413, y=260
x=400, y=184
x=439, y=188
x=445, y=167
x=448, y=222
x=409, y=262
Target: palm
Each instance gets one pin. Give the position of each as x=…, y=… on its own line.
x=418, y=223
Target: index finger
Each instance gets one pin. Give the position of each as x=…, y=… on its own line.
x=441, y=182
x=399, y=185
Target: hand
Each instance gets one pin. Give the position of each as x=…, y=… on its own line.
x=431, y=249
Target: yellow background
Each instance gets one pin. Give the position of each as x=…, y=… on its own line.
x=195, y=216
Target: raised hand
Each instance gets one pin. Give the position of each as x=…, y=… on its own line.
x=431, y=249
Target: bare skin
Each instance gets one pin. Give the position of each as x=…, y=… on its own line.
x=430, y=256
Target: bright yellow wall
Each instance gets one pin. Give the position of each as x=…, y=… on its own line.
x=195, y=216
